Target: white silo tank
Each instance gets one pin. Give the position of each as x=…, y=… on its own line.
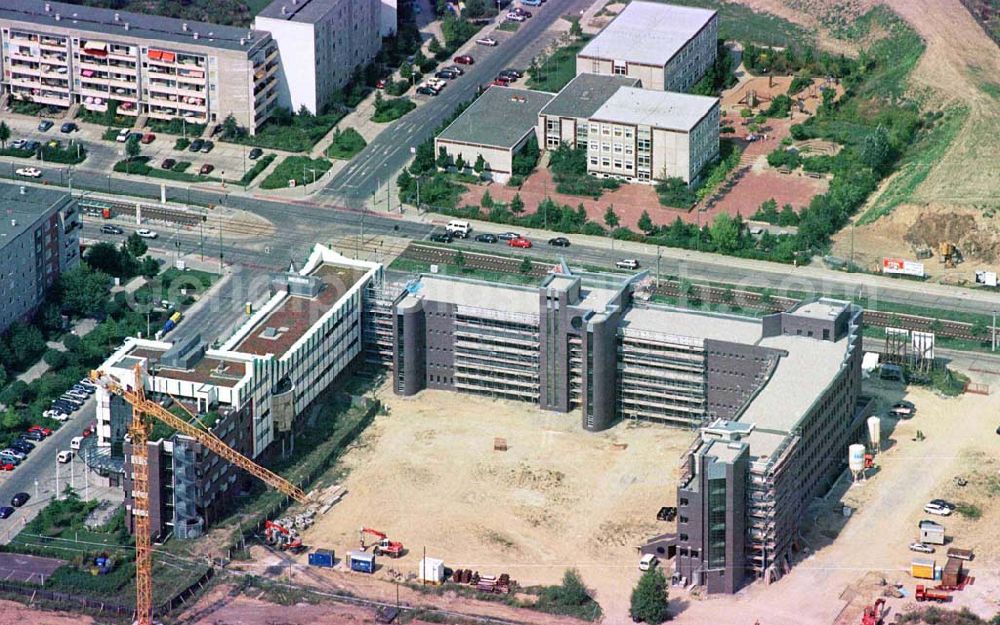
x=856, y=458
x=875, y=433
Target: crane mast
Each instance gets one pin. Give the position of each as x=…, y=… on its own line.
x=144, y=411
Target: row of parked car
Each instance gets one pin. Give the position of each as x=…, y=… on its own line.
x=23, y=445
x=71, y=401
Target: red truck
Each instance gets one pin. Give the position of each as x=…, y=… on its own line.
x=932, y=594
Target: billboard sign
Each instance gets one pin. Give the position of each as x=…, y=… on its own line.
x=989, y=278
x=902, y=267
x=922, y=344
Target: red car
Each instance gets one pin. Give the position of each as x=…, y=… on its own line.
x=38, y=428
x=500, y=81
x=6, y=466
x=464, y=59
x=380, y=84
x=87, y=432
x=148, y=138
x=520, y=242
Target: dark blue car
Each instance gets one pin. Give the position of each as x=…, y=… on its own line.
x=6, y=511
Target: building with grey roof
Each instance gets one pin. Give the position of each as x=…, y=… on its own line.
x=321, y=44
x=564, y=119
x=495, y=126
x=61, y=54
x=773, y=402
x=667, y=47
x=39, y=240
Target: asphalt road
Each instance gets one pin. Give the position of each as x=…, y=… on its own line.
x=390, y=151
x=40, y=467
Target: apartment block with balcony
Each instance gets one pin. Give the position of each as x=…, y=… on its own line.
x=667, y=47
x=39, y=240
x=60, y=54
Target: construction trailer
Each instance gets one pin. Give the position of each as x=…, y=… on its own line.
x=931, y=533
x=923, y=568
x=431, y=571
x=361, y=562
x=952, y=574
x=322, y=557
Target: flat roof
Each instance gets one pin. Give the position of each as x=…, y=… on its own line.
x=585, y=94
x=501, y=117
x=222, y=372
x=691, y=324
x=292, y=318
x=822, y=308
x=22, y=211
x=661, y=109
x=140, y=25
x=305, y=11
x=650, y=33
x=798, y=380
x=474, y=294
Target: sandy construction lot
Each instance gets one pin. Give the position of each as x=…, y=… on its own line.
x=560, y=497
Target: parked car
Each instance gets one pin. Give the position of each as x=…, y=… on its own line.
x=147, y=138
x=87, y=431
x=18, y=144
x=88, y=384
x=207, y=146
x=32, y=145
x=109, y=229
x=6, y=511
x=559, y=242
x=29, y=172
x=68, y=127
x=487, y=237
x=69, y=399
x=63, y=407
x=168, y=163
x=500, y=81
x=206, y=169
x=89, y=390
x=648, y=562
x=19, y=499
x=507, y=236
x=464, y=59
x=123, y=135
x=13, y=453
x=515, y=17
x=426, y=90
x=627, y=263
x=521, y=11
x=512, y=73
x=255, y=153
x=921, y=547
x=35, y=436
x=44, y=125
x=56, y=415
x=146, y=233
x=442, y=237
x=380, y=83
x=932, y=508
x=455, y=69
x=487, y=41
x=64, y=456
x=40, y=428
x=446, y=75
x=196, y=145
x=944, y=503
x=520, y=242
x=7, y=466
x=22, y=446
x=902, y=409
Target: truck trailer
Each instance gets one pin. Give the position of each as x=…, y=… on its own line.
x=931, y=594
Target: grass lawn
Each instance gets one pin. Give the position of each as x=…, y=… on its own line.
x=297, y=168
x=388, y=110
x=557, y=69
x=258, y=167
x=741, y=23
x=416, y=266
x=140, y=166
x=299, y=134
x=510, y=27
x=169, y=284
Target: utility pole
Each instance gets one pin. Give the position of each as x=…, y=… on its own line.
x=220, y=244
x=994, y=341
x=657, y=266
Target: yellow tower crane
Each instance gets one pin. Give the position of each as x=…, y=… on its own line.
x=143, y=412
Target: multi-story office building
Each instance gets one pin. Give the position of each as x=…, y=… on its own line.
x=667, y=47
x=321, y=43
x=39, y=239
x=250, y=391
x=566, y=118
x=62, y=54
x=775, y=401
x=640, y=135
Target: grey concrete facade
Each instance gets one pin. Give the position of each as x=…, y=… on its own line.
x=39, y=240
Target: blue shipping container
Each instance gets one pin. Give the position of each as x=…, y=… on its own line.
x=321, y=557
x=361, y=561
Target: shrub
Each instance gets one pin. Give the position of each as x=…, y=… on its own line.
x=346, y=144
x=182, y=143
x=387, y=110
x=675, y=192
x=301, y=169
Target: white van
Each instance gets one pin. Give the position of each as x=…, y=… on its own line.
x=459, y=227
x=648, y=561
x=64, y=456
x=76, y=442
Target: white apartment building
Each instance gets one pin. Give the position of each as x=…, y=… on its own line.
x=642, y=136
x=321, y=43
x=61, y=55
x=667, y=47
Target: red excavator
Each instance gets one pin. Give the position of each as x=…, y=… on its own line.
x=383, y=546
x=873, y=613
x=282, y=536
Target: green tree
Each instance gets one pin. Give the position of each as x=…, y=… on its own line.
x=725, y=233
x=406, y=72
x=12, y=420
x=646, y=223
x=788, y=216
x=610, y=217
x=650, y=599
x=517, y=204
x=459, y=260
x=4, y=133
x=230, y=127
x=480, y=165
x=27, y=342
x=443, y=160
x=575, y=30
x=487, y=200
x=460, y=163
x=83, y=291
x=526, y=265
x=135, y=245
x=876, y=152
x=54, y=358
x=434, y=46
x=132, y=148
x=149, y=267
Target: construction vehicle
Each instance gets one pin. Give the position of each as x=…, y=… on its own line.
x=931, y=594
x=383, y=546
x=873, y=613
x=279, y=534
x=949, y=254
x=144, y=411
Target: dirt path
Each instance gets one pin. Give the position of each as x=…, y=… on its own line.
x=14, y=612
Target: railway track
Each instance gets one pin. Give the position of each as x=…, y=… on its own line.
x=693, y=292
